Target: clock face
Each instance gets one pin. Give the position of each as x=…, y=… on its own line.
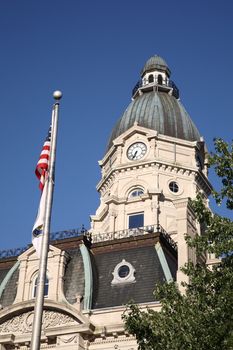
x=136, y=151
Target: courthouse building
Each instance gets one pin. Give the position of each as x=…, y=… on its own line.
x=155, y=162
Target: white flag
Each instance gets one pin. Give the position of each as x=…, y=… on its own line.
x=38, y=228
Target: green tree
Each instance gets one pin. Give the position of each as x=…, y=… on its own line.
x=203, y=317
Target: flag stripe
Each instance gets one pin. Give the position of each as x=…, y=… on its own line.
x=44, y=152
x=42, y=165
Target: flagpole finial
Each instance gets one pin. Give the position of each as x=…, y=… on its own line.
x=57, y=95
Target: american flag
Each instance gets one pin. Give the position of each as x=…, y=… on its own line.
x=41, y=172
x=42, y=165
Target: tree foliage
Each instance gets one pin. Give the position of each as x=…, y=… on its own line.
x=222, y=161
x=202, y=318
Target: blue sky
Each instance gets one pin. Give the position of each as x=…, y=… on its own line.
x=93, y=51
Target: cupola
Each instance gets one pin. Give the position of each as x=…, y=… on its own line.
x=155, y=71
x=156, y=105
x=155, y=75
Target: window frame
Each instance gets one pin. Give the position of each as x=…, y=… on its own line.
x=160, y=79
x=134, y=215
x=151, y=79
x=129, y=278
x=175, y=186
x=136, y=189
x=35, y=285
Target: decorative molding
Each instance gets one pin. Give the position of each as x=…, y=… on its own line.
x=112, y=339
x=163, y=262
x=181, y=203
x=109, y=178
x=22, y=324
x=73, y=339
x=129, y=278
x=203, y=182
x=88, y=277
x=134, y=232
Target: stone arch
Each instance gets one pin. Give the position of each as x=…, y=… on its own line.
x=17, y=320
x=134, y=183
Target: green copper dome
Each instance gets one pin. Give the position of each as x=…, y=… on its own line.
x=156, y=106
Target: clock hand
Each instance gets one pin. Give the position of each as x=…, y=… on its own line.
x=135, y=154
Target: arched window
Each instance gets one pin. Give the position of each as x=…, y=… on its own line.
x=136, y=192
x=46, y=287
x=151, y=78
x=160, y=79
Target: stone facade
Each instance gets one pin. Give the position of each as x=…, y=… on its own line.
x=137, y=235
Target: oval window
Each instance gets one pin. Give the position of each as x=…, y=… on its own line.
x=173, y=186
x=123, y=271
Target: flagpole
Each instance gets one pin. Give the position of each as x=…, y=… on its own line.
x=39, y=302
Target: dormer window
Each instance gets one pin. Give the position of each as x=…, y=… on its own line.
x=136, y=192
x=151, y=78
x=46, y=287
x=123, y=273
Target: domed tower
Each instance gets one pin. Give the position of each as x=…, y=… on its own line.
x=154, y=163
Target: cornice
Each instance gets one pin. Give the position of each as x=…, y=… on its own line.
x=150, y=134
x=116, y=200
x=164, y=166
x=204, y=182
x=114, y=337
x=101, y=215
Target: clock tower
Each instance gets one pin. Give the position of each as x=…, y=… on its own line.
x=154, y=164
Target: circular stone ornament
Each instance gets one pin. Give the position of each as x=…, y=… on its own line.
x=123, y=273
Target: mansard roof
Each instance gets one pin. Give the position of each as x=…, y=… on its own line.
x=93, y=282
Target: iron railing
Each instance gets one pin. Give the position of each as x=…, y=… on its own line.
x=100, y=237
x=171, y=84
x=67, y=234
x=136, y=87
x=60, y=235
x=9, y=253
x=175, y=90
x=133, y=232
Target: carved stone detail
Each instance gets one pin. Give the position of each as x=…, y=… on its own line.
x=22, y=324
x=73, y=339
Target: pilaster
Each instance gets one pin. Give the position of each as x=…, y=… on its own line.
x=186, y=225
